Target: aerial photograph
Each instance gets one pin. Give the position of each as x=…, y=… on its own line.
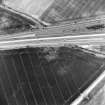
x=52, y=52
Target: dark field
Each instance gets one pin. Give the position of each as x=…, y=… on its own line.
x=46, y=75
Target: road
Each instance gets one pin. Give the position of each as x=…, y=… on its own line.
x=31, y=40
